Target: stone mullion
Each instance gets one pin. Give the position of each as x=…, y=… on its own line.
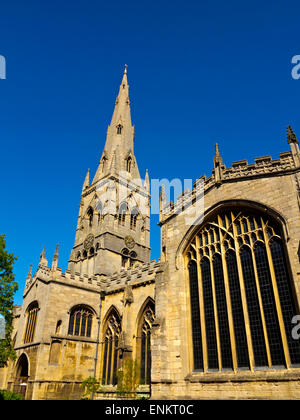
x=215, y=308
x=201, y=306
x=190, y=336
x=228, y=301
x=85, y=324
x=33, y=324
x=276, y=297
x=260, y=304
x=27, y=328
x=244, y=299
x=102, y=362
x=80, y=323
x=111, y=373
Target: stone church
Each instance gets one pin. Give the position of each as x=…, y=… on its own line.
x=215, y=317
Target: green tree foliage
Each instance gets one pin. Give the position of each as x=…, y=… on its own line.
x=90, y=386
x=8, y=288
x=10, y=395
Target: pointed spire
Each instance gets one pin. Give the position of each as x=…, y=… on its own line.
x=217, y=157
x=121, y=114
x=147, y=181
x=43, y=259
x=294, y=145
x=86, y=183
x=218, y=165
x=55, y=259
x=291, y=136
x=120, y=135
x=29, y=275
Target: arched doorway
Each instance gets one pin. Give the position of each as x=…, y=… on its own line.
x=22, y=375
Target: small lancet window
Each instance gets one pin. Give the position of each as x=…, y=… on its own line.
x=133, y=218
x=122, y=214
x=128, y=164
x=90, y=215
x=119, y=129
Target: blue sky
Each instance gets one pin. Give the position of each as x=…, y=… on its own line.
x=200, y=72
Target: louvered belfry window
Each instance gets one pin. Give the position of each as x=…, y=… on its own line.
x=241, y=299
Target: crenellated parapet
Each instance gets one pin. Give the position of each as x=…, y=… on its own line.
x=46, y=275
x=139, y=275
x=263, y=166
x=135, y=276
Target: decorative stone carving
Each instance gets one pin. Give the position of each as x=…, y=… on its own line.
x=129, y=242
x=88, y=242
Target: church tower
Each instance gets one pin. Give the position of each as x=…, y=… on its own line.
x=113, y=228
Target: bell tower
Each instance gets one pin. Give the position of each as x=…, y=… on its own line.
x=113, y=228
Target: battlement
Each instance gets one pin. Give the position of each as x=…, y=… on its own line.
x=47, y=274
x=263, y=166
x=137, y=275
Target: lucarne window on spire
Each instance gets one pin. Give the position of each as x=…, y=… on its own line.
x=119, y=129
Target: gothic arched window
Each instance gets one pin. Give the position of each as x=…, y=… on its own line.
x=240, y=294
x=80, y=323
x=90, y=215
x=119, y=129
x=32, y=312
x=110, y=361
x=128, y=164
x=122, y=214
x=133, y=218
x=144, y=343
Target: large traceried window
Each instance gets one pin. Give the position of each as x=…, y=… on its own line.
x=110, y=361
x=80, y=323
x=144, y=343
x=241, y=300
x=32, y=312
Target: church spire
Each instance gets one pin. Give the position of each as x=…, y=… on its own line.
x=120, y=130
x=119, y=138
x=115, y=210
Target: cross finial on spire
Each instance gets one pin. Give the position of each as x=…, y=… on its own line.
x=125, y=70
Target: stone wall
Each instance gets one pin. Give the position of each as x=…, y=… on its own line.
x=271, y=192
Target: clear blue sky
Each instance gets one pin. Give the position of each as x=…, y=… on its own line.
x=200, y=72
